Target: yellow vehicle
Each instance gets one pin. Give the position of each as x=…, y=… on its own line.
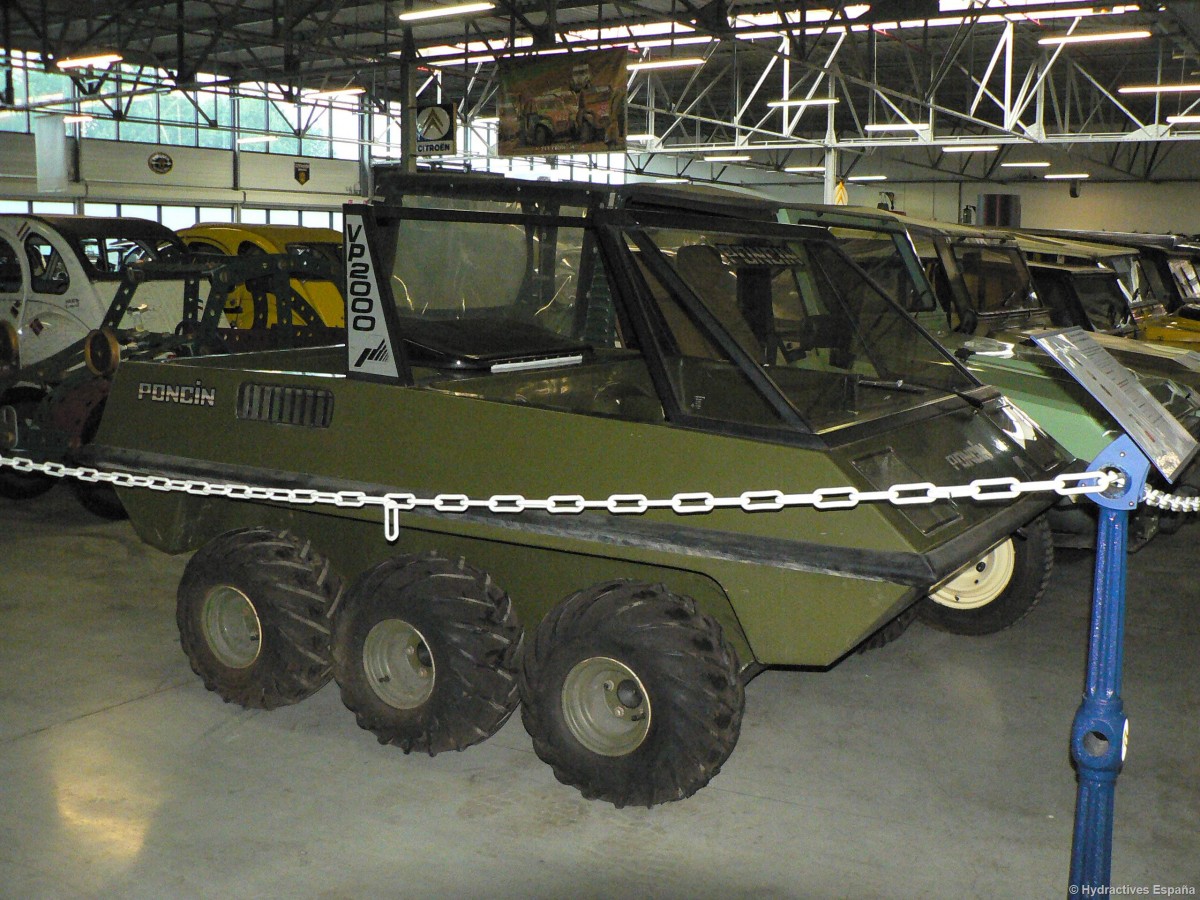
x=251, y=306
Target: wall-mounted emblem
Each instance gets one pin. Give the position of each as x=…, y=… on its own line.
x=301, y=171
x=160, y=163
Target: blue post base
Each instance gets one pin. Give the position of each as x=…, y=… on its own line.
x=1100, y=732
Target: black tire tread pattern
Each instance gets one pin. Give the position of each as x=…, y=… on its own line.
x=475, y=640
x=294, y=591
x=889, y=632
x=1031, y=576
x=691, y=674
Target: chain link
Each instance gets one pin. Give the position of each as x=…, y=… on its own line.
x=1170, y=502
x=685, y=503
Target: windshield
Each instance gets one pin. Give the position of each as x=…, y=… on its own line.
x=1105, y=303
x=1145, y=300
x=996, y=278
x=823, y=333
x=1186, y=279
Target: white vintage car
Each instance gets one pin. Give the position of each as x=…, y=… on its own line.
x=58, y=275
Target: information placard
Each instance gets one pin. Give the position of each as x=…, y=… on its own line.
x=1165, y=442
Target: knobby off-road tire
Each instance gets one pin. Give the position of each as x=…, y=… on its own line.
x=998, y=590
x=425, y=652
x=889, y=632
x=631, y=694
x=253, y=613
x=16, y=485
x=97, y=497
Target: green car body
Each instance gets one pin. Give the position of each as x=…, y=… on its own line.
x=971, y=288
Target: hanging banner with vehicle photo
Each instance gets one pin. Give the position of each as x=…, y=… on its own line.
x=574, y=103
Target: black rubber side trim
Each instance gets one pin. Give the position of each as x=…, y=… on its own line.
x=913, y=569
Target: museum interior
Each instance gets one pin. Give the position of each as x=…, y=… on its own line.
x=445, y=445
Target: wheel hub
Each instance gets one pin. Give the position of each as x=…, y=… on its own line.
x=398, y=664
x=231, y=627
x=981, y=582
x=605, y=706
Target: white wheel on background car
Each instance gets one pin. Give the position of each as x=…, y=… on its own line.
x=981, y=582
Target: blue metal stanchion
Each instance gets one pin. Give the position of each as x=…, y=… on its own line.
x=1100, y=732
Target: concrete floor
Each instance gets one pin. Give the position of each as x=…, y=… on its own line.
x=935, y=767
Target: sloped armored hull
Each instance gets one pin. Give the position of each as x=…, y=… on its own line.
x=796, y=586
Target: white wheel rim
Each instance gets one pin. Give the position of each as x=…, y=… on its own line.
x=981, y=582
x=231, y=627
x=605, y=706
x=398, y=664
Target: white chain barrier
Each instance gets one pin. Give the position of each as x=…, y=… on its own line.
x=1171, y=502
x=686, y=503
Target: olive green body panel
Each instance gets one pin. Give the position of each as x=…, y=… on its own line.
x=796, y=586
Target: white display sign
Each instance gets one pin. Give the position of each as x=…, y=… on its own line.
x=368, y=344
x=437, y=131
x=1157, y=433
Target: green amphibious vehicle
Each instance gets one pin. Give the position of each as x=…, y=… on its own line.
x=522, y=340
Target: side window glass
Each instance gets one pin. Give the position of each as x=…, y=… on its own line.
x=47, y=269
x=205, y=249
x=10, y=268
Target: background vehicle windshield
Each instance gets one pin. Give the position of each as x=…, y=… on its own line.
x=996, y=277
x=836, y=347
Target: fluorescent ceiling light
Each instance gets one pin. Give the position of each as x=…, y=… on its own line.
x=672, y=180
x=804, y=169
x=1094, y=38
x=1034, y=164
x=350, y=91
x=78, y=118
x=731, y=157
x=896, y=126
x=814, y=101
x=641, y=137
x=486, y=120
x=866, y=178
x=1183, y=120
x=676, y=62
x=257, y=139
x=970, y=148
x=1159, y=89
x=1066, y=176
x=83, y=62
x=438, y=12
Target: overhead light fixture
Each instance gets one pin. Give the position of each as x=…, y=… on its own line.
x=78, y=118
x=1159, y=89
x=486, y=120
x=895, y=126
x=348, y=91
x=438, y=12
x=1183, y=120
x=85, y=62
x=804, y=169
x=970, y=148
x=257, y=139
x=1094, y=38
x=729, y=157
x=641, y=137
x=1066, y=176
x=672, y=181
x=1032, y=164
x=813, y=101
x=866, y=178
x=677, y=62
